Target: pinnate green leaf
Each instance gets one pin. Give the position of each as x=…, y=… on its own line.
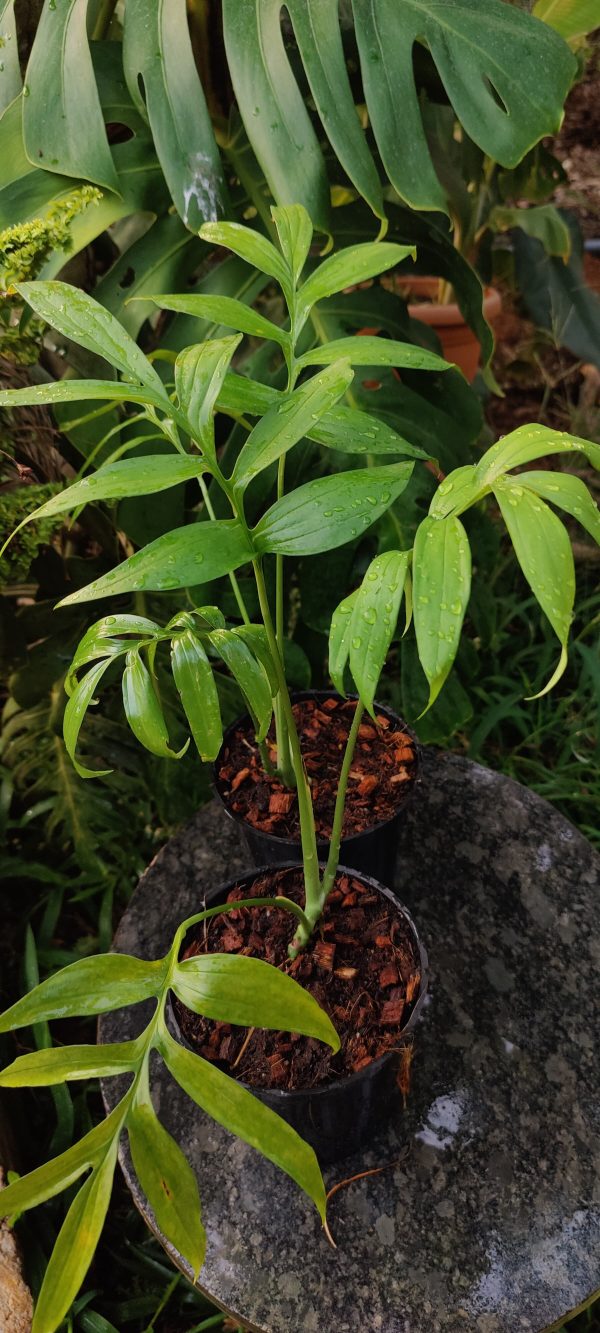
x=460, y=489
x=543, y=549
x=441, y=587
x=194, y=554
x=353, y=432
x=374, y=617
x=249, y=245
x=332, y=510
x=567, y=492
x=355, y=264
x=78, y=316
x=74, y=714
x=233, y=988
x=143, y=710
x=367, y=350
x=90, y=986
x=225, y=310
x=77, y=391
x=249, y=674
x=339, y=640
x=53, y=1177
x=169, y=1184
x=199, y=375
x=193, y=676
x=59, y=1064
x=133, y=476
x=244, y=1115
x=74, y=1249
x=294, y=229
x=288, y=420
x=529, y=442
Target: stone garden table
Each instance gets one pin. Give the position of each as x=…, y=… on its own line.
x=490, y=1220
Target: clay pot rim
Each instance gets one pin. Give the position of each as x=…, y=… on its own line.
x=433, y=313
x=358, y=1075
x=322, y=843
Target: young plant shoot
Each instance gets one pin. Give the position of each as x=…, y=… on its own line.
x=433, y=578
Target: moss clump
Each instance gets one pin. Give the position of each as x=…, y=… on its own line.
x=14, y=506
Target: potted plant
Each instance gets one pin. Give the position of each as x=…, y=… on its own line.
x=326, y=925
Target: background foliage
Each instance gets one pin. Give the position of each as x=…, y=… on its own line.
x=151, y=168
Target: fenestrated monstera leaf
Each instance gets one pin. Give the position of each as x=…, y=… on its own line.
x=484, y=51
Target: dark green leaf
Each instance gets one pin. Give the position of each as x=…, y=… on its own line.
x=190, y=555
x=63, y=125
x=557, y=295
x=75, y=711
x=249, y=245
x=441, y=587
x=294, y=229
x=199, y=375
x=374, y=617
x=244, y=1115
x=567, y=492
x=59, y=1064
x=169, y=1184
x=89, y=986
x=543, y=550
x=250, y=676
x=317, y=31
x=484, y=51
x=224, y=310
x=74, y=1249
x=193, y=676
x=234, y=989
x=164, y=84
x=143, y=710
x=10, y=73
x=543, y=223
x=272, y=107
x=289, y=420
x=76, y=315
x=326, y=513
x=371, y=351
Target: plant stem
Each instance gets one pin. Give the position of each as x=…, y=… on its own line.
x=232, y=578
x=308, y=835
x=340, y=802
x=283, y=740
x=104, y=19
x=280, y=901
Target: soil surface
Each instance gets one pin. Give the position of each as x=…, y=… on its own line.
x=362, y=966
x=382, y=773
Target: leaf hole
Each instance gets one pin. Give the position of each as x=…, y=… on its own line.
x=493, y=91
x=128, y=278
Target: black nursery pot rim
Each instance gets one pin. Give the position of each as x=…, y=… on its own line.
x=358, y=1075
x=349, y=839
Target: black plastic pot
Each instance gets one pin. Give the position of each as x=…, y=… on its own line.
x=372, y=852
x=336, y=1118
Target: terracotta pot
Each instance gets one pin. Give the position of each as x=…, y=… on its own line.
x=459, y=343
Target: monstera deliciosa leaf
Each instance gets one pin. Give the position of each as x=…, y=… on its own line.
x=484, y=52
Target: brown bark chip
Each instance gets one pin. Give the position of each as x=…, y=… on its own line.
x=359, y=965
x=383, y=771
x=16, y=1305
